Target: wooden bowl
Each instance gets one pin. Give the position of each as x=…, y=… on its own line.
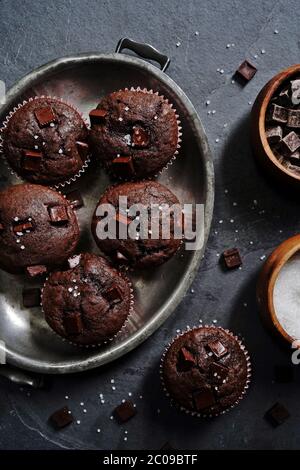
x=266, y=283
x=261, y=147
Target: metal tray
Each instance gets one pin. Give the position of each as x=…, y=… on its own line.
x=82, y=80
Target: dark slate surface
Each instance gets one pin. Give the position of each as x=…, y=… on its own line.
x=33, y=33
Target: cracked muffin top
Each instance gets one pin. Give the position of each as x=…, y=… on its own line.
x=89, y=303
x=45, y=141
x=134, y=133
x=133, y=239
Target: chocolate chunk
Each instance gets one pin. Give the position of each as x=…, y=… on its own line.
x=75, y=198
x=295, y=87
x=23, y=227
x=274, y=134
x=45, y=116
x=123, y=166
x=295, y=158
x=31, y=297
x=31, y=160
x=294, y=118
x=124, y=412
x=290, y=143
x=283, y=373
x=277, y=415
x=218, y=371
x=58, y=214
x=203, y=399
x=217, y=348
x=113, y=295
x=73, y=323
x=277, y=113
x=140, y=137
x=61, y=418
x=186, y=357
x=97, y=116
x=36, y=271
x=83, y=149
x=232, y=258
x=246, y=71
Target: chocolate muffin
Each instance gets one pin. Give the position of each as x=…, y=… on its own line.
x=144, y=246
x=89, y=303
x=38, y=227
x=45, y=141
x=205, y=371
x=134, y=133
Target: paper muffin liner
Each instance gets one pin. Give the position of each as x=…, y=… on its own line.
x=103, y=343
x=179, y=140
x=21, y=178
x=196, y=413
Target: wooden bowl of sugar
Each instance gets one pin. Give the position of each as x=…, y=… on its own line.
x=278, y=291
x=275, y=126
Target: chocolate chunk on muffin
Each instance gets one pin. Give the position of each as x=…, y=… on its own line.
x=134, y=133
x=45, y=141
x=206, y=371
x=38, y=228
x=89, y=303
x=137, y=237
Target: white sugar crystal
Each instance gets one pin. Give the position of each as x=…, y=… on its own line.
x=120, y=119
x=60, y=151
x=16, y=219
x=36, y=137
x=127, y=139
x=22, y=247
x=126, y=108
x=178, y=44
x=52, y=124
x=286, y=297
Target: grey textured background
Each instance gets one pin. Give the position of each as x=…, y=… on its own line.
x=34, y=32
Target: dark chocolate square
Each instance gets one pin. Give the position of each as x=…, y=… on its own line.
x=246, y=71
x=187, y=357
x=277, y=415
x=83, y=149
x=113, y=295
x=293, y=119
x=217, y=348
x=45, y=116
x=123, y=166
x=203, y=399
x=97, y=116
x=232, y=258
x=58, y=214
x=290, y=143
x=36, y=271
x=274, y=134
x=22, y=227
x=75, y=199
x=31, y=297
x=124, y=412
x=277, y=113
x=61, y=418
x=31, y=160
x=73, y=323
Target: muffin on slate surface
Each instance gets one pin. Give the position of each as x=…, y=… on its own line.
x=38, y=228
x=45, y=141
x=206, y=371
x=135, y=133
x=89, y=303
x=140, y=251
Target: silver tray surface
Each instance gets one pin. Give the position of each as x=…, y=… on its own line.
x=82, y=80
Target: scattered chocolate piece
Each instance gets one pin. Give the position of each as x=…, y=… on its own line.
x=36, y=271
x=295, y=87
x=274, y=134
x=73, y=323
x=31, y=297
x=232, y=258
x=58, y=214
x=45, y=116
x=140, y=137
x=277, y=415
x=113, y=295
x=203, y=399
x=75, y=199
x=124, y=412
x=277, y=113
x=83, y=150
x=283, y=373
x=31, y=160
x=218, y=371
x=295, y=158
x=293, y=120
x=290, y=143
x=123, y=166
x=186, y=360
x=97, y=116
x=217, y=348
x=61, y=418
x=23, y=227
x=246, y=71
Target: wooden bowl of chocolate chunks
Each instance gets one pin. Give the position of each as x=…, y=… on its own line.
x=275, y=126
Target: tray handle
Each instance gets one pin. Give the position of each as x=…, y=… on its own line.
x=144, y=50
